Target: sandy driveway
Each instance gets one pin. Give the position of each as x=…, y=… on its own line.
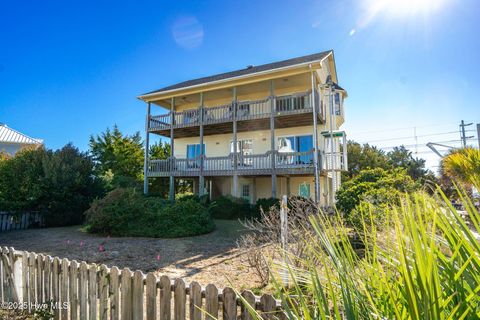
x=212, y=258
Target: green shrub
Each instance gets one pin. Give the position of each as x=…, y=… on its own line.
x=376, y=213
x=228, y=207
x=264, y=204
x=127, y=212
x=203, y=200
x=183, y=219
x=376, y=185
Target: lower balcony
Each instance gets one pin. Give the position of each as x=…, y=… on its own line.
x=291, y=163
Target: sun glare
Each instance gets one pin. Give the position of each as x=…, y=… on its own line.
x=396, y=9
x=406, y=7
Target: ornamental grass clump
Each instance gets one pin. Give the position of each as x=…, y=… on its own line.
x=423, y=264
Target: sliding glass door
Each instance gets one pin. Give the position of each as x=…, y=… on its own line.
x=291, y=144
x=193, y=152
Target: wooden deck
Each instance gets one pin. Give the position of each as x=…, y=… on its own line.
x=294, y=163
x=288, y=111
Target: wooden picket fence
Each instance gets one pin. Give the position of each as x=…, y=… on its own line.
x=89, y=291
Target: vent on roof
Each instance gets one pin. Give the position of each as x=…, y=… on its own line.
x=250, y=66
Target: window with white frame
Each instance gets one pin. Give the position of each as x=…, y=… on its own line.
x=338, y=104
x=245, y=191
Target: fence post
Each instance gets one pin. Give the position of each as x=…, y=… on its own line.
x=180, y=299
x=18, y=275
x=229, y=304
x=151, y=296
x=249, y=298
x=211, y=302
x=268, y=306
x=284, y=238
x=137, y=295
x=195, y=301
x=165, y=298
x=126, y=294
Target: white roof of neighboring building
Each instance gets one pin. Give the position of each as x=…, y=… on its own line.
x=9, y=135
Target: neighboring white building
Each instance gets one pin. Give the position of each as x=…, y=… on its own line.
x=11, y=140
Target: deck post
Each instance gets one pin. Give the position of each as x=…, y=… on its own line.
x=171, y=185
x=315, y=140
x=201, y=178
x=147, y=146
x=288, y=187
x=272, y=139
x=332, y=147
x=234, y=142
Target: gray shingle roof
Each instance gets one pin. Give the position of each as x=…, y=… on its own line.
x=9, y=135
x=246, y=71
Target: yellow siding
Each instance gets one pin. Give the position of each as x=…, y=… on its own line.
x=254, y=91
x=261, y=186
x=219, y=145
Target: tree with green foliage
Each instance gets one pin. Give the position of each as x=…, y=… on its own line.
x=401, y=157
x=361, y=157
x=378, y=186
x=60, y=184
x=159, y=186
x=160, y=150
x=364, y=157
x=117, y=155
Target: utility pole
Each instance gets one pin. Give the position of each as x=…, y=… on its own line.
x=478, y=134
x=463, y=137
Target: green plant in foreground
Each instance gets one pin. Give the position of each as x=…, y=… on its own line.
x=424, y=264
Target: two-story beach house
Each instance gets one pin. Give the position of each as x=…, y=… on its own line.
x=258, y=132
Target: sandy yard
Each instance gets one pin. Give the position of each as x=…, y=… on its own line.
x=212, y=258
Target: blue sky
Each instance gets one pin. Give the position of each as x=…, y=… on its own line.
x=69, y=69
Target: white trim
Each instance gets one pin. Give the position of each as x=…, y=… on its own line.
x=153, y=94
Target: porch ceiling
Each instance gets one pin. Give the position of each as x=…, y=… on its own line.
x=287, y=121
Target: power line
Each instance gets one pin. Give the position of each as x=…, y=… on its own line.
x=414, y=136
x=410, y=128
x=413, y=145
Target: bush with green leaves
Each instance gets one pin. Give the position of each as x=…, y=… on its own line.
x=127, y=212
x=376, y=186
x=60, y=184
x=203, y=200
x=228, y=207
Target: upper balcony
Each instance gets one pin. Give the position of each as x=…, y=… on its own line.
x=289, y=111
